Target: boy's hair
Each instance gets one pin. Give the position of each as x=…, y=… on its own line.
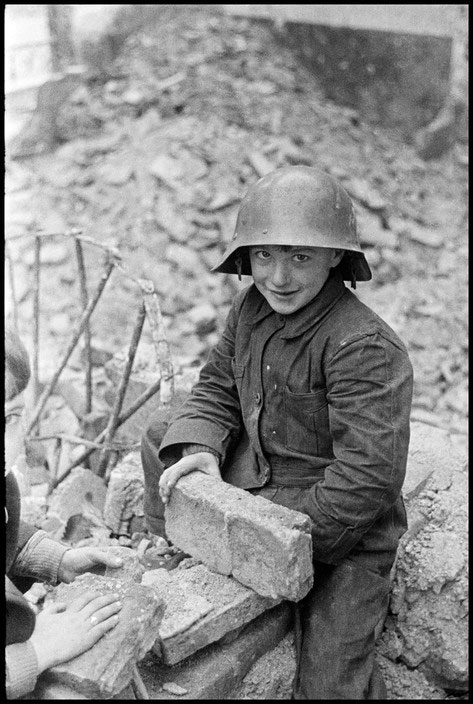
x=17, y=364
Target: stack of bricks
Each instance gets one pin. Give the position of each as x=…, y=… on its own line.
x=228, y=610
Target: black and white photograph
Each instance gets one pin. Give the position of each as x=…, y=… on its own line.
x=236, y=352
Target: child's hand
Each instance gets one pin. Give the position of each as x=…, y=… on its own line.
x=200, y=461
x=63, y=632
x=79, y=560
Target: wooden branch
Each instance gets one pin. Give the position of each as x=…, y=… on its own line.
x=87, y=337
x=11, y=280
x=112, y=422
x=36, y=279
x=82, y=323
x=161, y=345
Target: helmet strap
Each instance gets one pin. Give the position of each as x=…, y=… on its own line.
x=353, y=275
x=238, y=264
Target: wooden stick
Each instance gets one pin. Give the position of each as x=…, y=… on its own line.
x=138, y=685
x=161, y=345
x=77, y=440
x=85, y=300
x=35, y=360
x=11, y=281
x=112, y=422
x=55, y=465
x=82, y=323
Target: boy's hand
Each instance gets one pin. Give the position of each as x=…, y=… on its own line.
x=80, y=560
x=201, y=462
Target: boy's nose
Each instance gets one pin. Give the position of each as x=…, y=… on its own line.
x=280, y=274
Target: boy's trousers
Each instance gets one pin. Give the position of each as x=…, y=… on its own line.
x=339, y=616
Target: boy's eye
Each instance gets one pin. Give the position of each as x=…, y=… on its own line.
x=301, y=257
x=262, y=254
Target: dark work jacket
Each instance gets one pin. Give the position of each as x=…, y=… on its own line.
x=20, y=618
x=319, y=399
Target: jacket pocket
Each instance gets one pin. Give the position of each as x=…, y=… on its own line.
x=307, y=423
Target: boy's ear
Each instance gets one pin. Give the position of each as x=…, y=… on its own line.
x=337, y=256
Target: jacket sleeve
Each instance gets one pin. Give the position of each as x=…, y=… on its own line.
x=369, y=394
x=211, y=415
x=39, y=558
x=21, y=669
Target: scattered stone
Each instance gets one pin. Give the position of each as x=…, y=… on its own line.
x=73, y=496
x=425, y=235
x=371, y=232
x=167, y=169
x=215, y=671
x=362, y=191
x=260, y=163
x=174, y=688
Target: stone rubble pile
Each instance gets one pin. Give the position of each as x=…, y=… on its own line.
x=218, y=637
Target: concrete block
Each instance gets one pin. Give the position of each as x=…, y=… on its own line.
x=264, y=546
x=216, y=671
x=107, y=668
x=201, y=608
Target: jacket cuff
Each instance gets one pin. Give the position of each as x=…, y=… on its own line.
x=40, y=558
x=193, y=449
x=21, y=667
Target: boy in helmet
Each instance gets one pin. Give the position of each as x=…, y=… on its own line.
x=305, y=401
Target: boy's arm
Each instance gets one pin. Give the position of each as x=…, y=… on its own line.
x=211, y=415
x=369, y=384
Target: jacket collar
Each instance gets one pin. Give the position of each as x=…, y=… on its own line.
x=305, y=318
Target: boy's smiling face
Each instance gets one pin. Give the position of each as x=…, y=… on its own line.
x=291, y=276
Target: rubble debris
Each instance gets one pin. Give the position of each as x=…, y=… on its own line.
x=216, y=671
x=201, y=607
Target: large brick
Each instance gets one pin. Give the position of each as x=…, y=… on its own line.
x=201, y=607
x=215, y=671
x=107, y=668
x=264, y=546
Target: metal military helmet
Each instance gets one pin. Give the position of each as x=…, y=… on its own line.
x=296, y=205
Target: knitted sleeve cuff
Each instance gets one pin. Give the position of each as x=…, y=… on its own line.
x=21, y=669
x=192, y=449
x=40, y=558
